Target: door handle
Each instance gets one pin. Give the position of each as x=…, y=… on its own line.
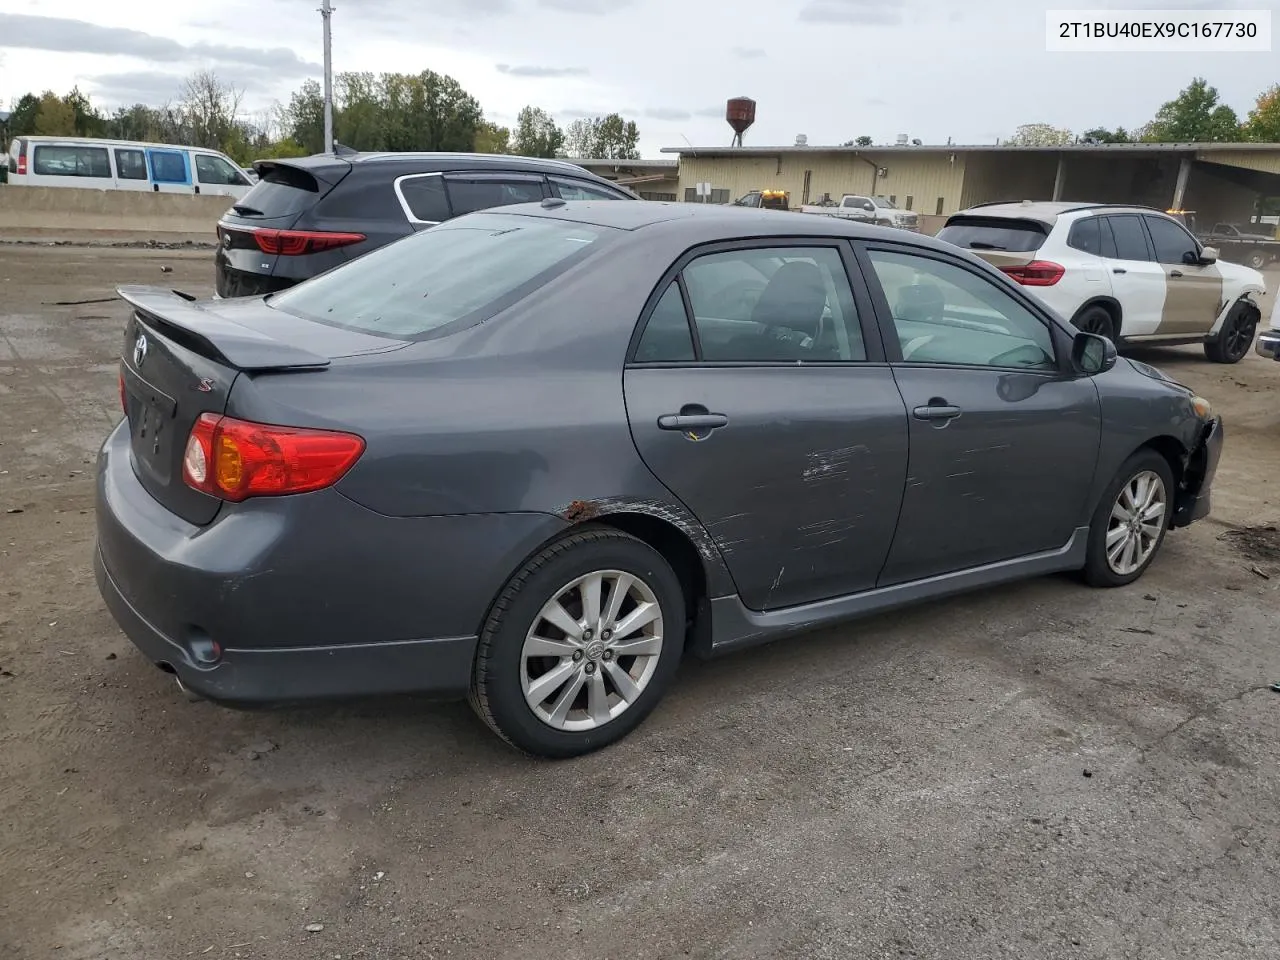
x=943, y=411
x=692, y=421
x=1119, y=270
x=1175, y=273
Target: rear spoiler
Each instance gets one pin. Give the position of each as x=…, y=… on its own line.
x=234, y=344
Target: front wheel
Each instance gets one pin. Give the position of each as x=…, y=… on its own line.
x=1131, y=520
x=1236, y=336
x=580, y=645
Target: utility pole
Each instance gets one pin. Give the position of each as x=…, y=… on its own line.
x=326, y=11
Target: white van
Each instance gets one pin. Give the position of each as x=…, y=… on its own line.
x=87, y=162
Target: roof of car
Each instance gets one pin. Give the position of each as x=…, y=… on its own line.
x=711, y=221
x=1048, y=211
x=444, y=160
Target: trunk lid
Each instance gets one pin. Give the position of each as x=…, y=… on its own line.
x=180, y=359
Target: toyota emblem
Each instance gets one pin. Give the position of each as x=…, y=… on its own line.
x=140, y=350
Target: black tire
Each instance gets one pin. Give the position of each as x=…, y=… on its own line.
x=1096, y=319
x=497, y=694
x=1098, y=572
x=1257, y=261
x=1233, y=341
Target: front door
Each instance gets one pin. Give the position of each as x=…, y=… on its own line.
x=1193, y=297
x=772, y=416
x=1003, y=443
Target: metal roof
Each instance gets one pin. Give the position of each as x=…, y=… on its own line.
x=980, y=148
x=590, y=162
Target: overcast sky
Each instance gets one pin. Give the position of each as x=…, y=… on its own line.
x=833, y=70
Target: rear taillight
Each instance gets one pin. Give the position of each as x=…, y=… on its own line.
x=235, y=459
x=22, y=163
x=295, y=243
x=1037, y=273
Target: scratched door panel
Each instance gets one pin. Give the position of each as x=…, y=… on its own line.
x=801, y=489
x=1006, y=478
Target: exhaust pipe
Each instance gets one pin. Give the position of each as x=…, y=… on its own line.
x=190, y=695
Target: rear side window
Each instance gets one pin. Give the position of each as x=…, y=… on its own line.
x=425, y=198
x=577, y=190
x=1086, y=236
x=453, y=274
x=281, y=191
x=667, y=337
x=1131, y=241
x=990, y=233
x=51, y=161
x=168, y=166
x=131, y=164
x=467, y=196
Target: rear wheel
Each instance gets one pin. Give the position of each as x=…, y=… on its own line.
x=1257, y=260
x=580, y=645
x=1236, y=336
x=1097, y=320
x=1131, y=520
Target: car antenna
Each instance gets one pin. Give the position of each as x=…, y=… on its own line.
x=342, y=150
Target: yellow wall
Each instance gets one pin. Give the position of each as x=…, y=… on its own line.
x=924, y=178
x=1265, y=161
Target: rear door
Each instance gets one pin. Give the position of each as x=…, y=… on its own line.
x=131, y=168
x=758, y=394
x=170, y=170
x=1137, y=281
x=1193, y=297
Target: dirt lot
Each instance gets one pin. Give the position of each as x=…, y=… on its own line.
x=1036, y=771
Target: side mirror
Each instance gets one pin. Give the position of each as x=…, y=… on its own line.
x=1208, y=255
x=1092, y=354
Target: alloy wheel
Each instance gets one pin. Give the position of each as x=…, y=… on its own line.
x=1137, y=520
x=1239, y=337
x=592, y=650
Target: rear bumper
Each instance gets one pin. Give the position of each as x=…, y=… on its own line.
x=310, y=596
x=1268, y=344
x=1194, y=500
x=439, y=667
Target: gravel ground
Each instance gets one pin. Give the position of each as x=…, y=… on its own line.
x=1037, y=771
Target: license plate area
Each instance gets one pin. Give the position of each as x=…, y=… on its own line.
x=151, y=412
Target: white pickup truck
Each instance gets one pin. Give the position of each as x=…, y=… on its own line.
x=878, y=210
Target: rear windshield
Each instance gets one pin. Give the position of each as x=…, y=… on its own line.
x=282, y=191
x=456, y=273
x=978, y=233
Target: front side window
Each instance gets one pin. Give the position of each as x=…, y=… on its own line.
x=772, y=304
x=131, y=164
x=458, y=272
x=944, y=314
x=577, y=190
x=54, y=161
x=210, y=169
x=1172, y=243
x=467, y=196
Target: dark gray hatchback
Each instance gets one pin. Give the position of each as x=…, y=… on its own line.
x=308, y=215
x=534, y=456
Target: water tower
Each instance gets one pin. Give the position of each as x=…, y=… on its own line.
x=741, y=114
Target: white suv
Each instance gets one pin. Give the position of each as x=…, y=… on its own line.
x=1132, y=274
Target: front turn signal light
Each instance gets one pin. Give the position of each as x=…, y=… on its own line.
x=1202, y=407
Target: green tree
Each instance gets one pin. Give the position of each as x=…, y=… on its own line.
x=536, y=134
x=617, y=139
x=1263, y=124
x=54, y=116
x=1194, y=116
x=492, y=138
x=1040, y=135
x=303, y=119
x=88, y=122
x=1103, y=135
x=863, y=141
x=22, y=119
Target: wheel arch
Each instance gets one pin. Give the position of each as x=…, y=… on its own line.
x=1174, y=452
x=1108, y=303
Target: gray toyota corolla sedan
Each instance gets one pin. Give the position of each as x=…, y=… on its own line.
x=536, y=455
